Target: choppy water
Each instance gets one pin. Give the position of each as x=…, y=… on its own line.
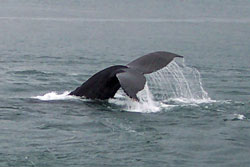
x=192, y=113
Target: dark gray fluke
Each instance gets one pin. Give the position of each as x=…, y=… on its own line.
x=104, y=84
x=131, y=82
x=152, y=62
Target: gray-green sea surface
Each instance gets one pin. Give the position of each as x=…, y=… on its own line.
x=194, y=112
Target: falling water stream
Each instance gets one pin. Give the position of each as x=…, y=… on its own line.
x=177, y=82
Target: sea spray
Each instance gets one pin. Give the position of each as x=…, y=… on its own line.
x=54, y=96
x=179, y=83
x=146, y=103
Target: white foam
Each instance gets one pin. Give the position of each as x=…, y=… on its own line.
x=55, y=96
x=190, y=101
x=146, y=103
x=239, y=116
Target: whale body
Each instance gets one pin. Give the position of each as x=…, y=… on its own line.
x=104, y=84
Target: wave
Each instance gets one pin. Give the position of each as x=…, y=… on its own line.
x=28, y=72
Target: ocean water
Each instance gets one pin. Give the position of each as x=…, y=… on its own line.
x=194, y=112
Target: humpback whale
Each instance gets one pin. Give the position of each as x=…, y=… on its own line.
x=105, y=83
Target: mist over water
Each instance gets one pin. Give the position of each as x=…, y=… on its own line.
x=194, y=112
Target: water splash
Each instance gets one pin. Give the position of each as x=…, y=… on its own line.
x=54, y=96
x=178, y=83
x=146, y=103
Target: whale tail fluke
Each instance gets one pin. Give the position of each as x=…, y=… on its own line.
x=152, y=62
x=104, y=84
x=131, y=82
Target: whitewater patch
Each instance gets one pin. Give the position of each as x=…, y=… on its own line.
x=235, y=117
x=189, y=100
x=146, y=103
x=54, y=96
x=239, y=116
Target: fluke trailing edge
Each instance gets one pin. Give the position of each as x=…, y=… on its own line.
x=130, y=78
